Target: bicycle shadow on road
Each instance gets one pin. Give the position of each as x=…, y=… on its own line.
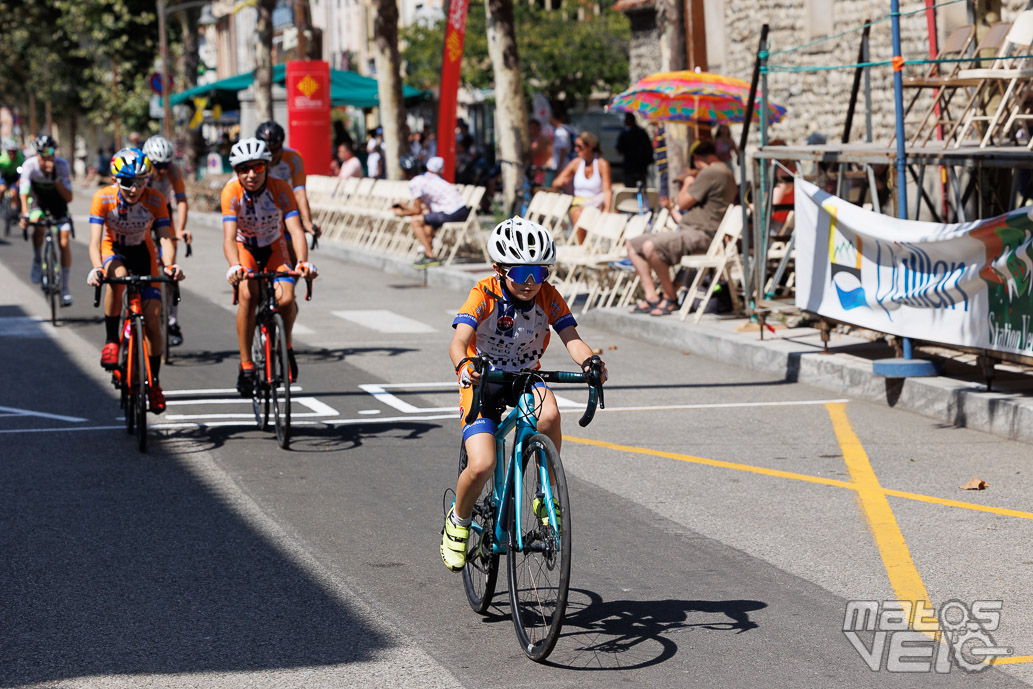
x=305, y=356
x=304, y=438
x=603, y=635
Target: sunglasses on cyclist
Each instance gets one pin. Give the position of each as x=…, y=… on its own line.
x=48, y=151
x=523, y=275
x=244, y=169
x=127, y=183
x=161, y=166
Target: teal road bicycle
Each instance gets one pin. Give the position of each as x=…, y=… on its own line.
x=523, y=511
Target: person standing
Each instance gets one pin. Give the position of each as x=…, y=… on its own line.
x=350, y=165
x=637, y=150
x=562, y=144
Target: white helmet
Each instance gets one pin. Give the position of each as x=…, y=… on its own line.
x=159, y=149
x=521, y=242
x=247, y=150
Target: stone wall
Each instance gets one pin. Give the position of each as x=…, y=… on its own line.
x=817, y=101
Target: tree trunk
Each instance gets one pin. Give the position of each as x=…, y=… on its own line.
x=194, y=140
x=264, y=61
x=510, y=105
x=389, y=84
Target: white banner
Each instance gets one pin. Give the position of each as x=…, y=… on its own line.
x=967, y=284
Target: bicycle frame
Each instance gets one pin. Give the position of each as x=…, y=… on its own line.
x=132, y=310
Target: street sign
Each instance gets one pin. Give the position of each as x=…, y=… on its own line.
x=154, y=81
x=154, y=107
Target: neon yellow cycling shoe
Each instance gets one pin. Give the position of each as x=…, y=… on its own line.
x=541, y=510
x=453, y=543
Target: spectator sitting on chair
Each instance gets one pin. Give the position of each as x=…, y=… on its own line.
x=705, y=195
x=591, y=177
x=435, y=202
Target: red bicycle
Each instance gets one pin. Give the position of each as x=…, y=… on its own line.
x=269, y=352
x=133, y=377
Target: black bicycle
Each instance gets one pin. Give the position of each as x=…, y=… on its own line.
x=50, y=261
x=269, y=352
x=133, y=377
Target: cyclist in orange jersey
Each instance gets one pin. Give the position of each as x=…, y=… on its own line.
x=121, y=218
x=286, y=164
x=255, y=208
x=168, y=179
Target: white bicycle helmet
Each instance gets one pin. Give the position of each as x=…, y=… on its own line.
x=246, y=150
x=10, y=144
x=517, y=241
x=159, y=149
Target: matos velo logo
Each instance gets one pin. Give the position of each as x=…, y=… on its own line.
x=906, y=636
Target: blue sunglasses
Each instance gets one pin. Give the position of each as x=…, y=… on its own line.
x=523, y=275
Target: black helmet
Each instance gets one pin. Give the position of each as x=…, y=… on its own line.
x=271, y=133
x=410, y=164
x=44, y=142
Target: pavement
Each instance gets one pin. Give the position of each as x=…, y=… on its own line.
x=958, y=397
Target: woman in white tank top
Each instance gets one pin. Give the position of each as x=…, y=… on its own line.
x=590, y=175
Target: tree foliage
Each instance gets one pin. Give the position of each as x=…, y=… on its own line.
x=560, y=57
x=69, y=51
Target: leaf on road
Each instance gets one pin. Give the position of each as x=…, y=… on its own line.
x=975, y=484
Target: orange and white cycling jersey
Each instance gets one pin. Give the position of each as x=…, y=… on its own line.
x=291, y=168
x=259, y=218
x=128, y=224
x=171, y=187
x=514, y=338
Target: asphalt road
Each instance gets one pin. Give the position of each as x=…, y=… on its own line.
x=721, y=518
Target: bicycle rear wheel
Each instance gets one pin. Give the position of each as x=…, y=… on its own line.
x=140, y=384
x=539, y=573
x=482, y=566
x=260, y=391
x=280, y=385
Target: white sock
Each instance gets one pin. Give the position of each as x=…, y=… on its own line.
x=173, y=314
x=460, y=522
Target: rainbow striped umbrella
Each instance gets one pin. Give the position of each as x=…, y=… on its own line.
x=689, y=96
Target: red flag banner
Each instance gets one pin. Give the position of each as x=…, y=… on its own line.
x=455, y=33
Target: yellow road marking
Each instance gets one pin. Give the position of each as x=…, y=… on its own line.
x=889, y=539
x=1013, y=660
x=821, y=480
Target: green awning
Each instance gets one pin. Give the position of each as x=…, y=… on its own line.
x=346, y=88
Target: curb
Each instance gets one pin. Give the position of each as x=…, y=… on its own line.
x=797, y=356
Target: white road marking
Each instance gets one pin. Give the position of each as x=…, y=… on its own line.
x=213, y=391
x=303, y=330
x=384, y=321
x=390, y=419
x=379, y=391
x=318, y=409
x=14, y=411
x=369, y=411
x=21, y=326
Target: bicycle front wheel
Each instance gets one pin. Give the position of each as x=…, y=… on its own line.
x=166, y=294
x=51, y=277
x=539, y=568
x=125, y=387
x=260, y=391
x=140, y=384
x=482, y=566
x=280, y=383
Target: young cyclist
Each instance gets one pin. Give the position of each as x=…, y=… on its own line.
x=286, y=164
x=47, y=179
x=168, y=179
x=255, y=207
x=507, y=317
x=11, y=158
x=121, y=217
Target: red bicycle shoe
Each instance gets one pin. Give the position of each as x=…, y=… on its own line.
x=157, y=398
x=109, y=356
